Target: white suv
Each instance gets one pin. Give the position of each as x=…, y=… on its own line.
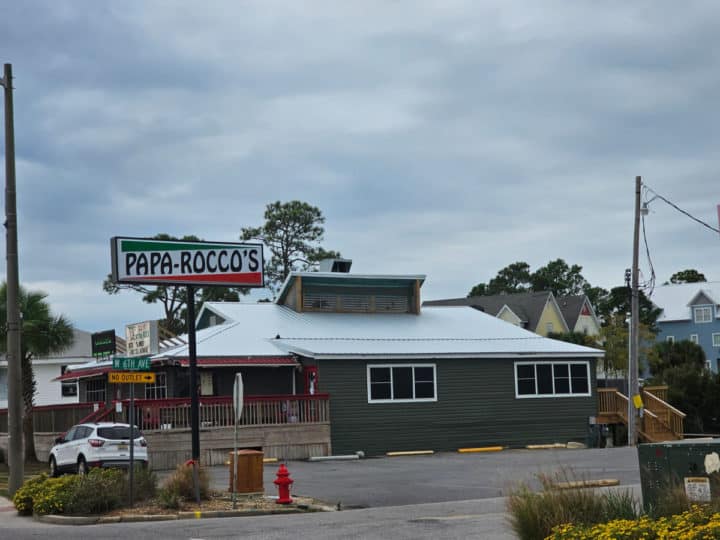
x=103, y=444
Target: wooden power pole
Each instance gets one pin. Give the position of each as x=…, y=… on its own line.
x=633, y=389
x=13, y=355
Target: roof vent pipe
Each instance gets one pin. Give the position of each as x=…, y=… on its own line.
x=335, y=265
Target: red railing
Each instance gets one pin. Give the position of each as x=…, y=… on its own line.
x=174, y=413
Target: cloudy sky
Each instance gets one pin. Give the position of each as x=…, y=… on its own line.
x=449, y=138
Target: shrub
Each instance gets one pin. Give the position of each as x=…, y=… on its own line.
x=533, y=515
x=181, y=484
x=144, y=483
x=620, y=504
x=168, y=499
x=700, y=522
x=99, y=491
x=23, y=498
x=54, y=495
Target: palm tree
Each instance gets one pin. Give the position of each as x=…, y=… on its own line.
x=42, y=334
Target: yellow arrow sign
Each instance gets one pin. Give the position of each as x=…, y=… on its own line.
x=131, y=377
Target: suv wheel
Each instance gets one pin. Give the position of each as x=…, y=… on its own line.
x=82, y=467
x=53, y=467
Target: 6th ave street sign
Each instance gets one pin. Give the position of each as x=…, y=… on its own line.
x=131, y=377
x=177, y=262
x=137, y=363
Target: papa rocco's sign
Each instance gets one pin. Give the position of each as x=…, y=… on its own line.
x=177, y=262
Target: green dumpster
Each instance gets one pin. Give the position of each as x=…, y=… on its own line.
x=692, y=465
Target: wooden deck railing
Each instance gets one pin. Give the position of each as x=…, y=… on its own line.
x=218, y=411
x=54, y=418
x=660, y=421
x=174, y=413
x=665, y=413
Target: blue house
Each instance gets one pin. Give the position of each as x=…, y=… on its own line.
x=691, y=311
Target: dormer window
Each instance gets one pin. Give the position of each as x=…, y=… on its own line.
x=702, y=314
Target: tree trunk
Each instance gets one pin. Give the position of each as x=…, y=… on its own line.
x=29, y=438
x=28, y=391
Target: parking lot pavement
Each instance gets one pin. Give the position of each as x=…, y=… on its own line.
x=378, y=482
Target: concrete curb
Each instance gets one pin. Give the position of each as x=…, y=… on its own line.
x=334, y=458
x=480, y=449
x=410, y=453
x=135, y=518
x=602, y=482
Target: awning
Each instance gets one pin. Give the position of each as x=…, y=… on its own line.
x=83, y=373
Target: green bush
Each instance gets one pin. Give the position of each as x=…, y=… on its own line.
x=99, y=491
x=180, y=483
x=23, y=498
x=168, y=499
x=144, y=483
x=54, y=495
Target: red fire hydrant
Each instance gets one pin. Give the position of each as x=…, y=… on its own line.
x=283, y=482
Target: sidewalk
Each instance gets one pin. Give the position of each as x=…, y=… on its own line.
x=6, y=505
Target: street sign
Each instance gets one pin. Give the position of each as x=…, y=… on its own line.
x=238, y=396
x=178, y=262
x=138, y=363
x=124, y=377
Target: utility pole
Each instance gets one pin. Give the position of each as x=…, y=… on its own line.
x=634, y=337
x=13, y=354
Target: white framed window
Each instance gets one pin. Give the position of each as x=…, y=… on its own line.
x=716, y=339
x=670, y=339
x=157, y=390
x=549, y=327
x=552, y=379
x=694, y=338
x=397, y=383
x=702, y=314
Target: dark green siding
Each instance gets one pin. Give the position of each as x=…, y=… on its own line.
x=476, y=406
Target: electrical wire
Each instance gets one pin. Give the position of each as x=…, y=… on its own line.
x=649, y=285
x=676, y=207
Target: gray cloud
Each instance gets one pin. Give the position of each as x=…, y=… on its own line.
x=446, y=138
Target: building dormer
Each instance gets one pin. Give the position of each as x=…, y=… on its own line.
x=335, y=290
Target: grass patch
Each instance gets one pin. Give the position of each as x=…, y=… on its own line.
x=31, y=470
x=533, y=515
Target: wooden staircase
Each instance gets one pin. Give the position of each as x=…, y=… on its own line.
x=660, y=421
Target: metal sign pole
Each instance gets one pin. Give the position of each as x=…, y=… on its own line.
x=132, y=440
x=237, y=409
x=194, y=391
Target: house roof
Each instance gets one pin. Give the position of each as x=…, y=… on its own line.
x=675, y=300
x=527, y=306
x=266, y=329
x=570, y=307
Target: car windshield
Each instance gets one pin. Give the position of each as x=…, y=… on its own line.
x=116, y=432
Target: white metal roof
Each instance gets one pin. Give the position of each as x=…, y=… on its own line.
x=266, y=329
x=675, y=299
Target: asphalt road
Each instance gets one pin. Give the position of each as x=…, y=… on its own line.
x=382, y=482
x=443, y=496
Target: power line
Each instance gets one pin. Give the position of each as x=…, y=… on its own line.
x=676, y=207
x=650, y=284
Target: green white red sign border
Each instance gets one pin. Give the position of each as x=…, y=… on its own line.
x=239, y=279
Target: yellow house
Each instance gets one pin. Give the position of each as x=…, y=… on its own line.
x=538, y=312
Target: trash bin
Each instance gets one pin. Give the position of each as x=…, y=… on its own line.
x=248, y=473
x=689, y=465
